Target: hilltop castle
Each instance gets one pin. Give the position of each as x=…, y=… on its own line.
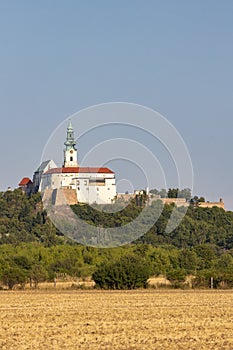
x=72, y=184
x=77, y=184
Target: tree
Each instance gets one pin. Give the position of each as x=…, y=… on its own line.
x=12, y=274
x=225, y=263
x=188, y=260
x=38, y=274
x=205, y=256
x=160, y=261
x=129, y=272
x=163, y=193
x=173, y=192
x=154, y=191
x=176, y=276
x=195, y=200
x=185, y=193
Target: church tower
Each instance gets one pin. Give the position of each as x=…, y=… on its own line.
x=70, y=151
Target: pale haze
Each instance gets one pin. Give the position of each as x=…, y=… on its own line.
x=176, y=57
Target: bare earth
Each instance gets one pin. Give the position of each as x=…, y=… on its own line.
x=116, y=320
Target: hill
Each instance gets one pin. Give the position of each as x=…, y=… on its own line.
x=31, y=248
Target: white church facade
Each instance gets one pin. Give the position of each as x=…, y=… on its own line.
x=89, y=184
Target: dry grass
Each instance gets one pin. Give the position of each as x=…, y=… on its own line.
x=116, y=320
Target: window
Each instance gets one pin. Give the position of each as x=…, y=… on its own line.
x=78, y=188
x=97, y=188
x=71, y=159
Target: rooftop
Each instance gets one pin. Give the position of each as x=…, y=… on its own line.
x=79, y=170
x=25, y=181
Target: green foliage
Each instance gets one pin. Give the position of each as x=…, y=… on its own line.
x=23, y=219
x=32, y=249
x=129, y=272
x=196, y=200
x=125, y=267
x=162, y=193
x=173, y=192
x=185, y=193
x=38, y=274
x=206, y=256
x=176, y=275
x=11, y=273
x=212, y=226
x=97, y=214
x=161, y=260
x=188, y=260
x=176, y=193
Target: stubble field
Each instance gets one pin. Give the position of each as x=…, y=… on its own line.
x=148, y=319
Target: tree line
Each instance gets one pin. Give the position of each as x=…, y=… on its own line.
x=125, y=267
x=33, y=250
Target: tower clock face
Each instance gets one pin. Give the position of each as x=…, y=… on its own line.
x=71, y=151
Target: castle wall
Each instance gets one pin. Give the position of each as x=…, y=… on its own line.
x=90, y=187
x=212, y=204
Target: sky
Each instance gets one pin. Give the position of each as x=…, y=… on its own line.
x=176, y=57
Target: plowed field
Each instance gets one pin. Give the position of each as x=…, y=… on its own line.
x=130, y=320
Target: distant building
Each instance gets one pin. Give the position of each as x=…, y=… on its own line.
x=179, y=202
x=182, y=202
x=207, y=204
x=85, y=184
x=26, y=185
x=45, y=166
x=71, y=184
x=125, y=197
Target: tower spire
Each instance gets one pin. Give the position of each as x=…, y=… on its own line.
x=70, y=151
x=70, y=140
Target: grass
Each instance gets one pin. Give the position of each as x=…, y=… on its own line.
x=92, y=319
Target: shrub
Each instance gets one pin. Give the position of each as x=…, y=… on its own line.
x=13, y=275
x=129, y=272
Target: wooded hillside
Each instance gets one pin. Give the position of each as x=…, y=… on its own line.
x=32, y=248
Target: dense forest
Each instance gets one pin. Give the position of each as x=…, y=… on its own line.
x=31, y=248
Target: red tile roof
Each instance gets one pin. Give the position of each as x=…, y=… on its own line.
x=79, y=170
x=25, y=181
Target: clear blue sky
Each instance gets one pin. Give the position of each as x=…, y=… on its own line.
x=176, y=57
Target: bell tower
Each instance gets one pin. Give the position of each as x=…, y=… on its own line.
x=70, y=151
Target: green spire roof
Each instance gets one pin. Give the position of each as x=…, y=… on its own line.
x=70, y=127
x=70, y=140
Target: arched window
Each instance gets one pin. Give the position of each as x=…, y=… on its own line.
x=71, y=159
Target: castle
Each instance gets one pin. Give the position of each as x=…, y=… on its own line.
x=72, y=184
x=71, y=181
